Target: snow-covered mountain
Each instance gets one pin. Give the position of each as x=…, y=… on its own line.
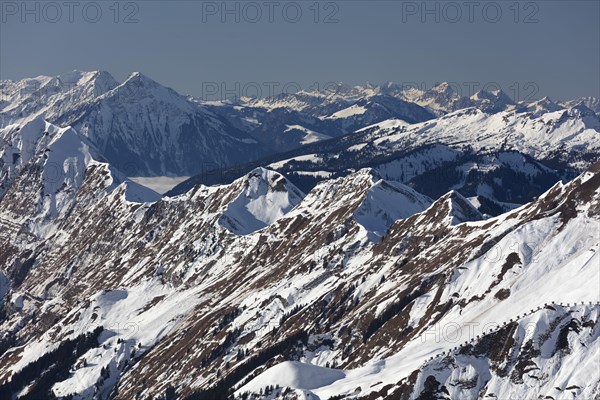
x=162, y=293
x=343, y=109
x=140, y=126
x=43, y=169
x=386, y=202
x=493, y=101
x=543, y=106
x=49, y=97
x=288, y=121
x=416, y=257
x=499, y=161
x=446, y=97
x=146, y=129
x=593, y=103
x=369, y=104
x=266, y=196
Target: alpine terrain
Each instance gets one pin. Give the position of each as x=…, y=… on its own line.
x=370, y=242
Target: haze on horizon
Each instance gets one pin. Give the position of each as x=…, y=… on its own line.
x=529, y=49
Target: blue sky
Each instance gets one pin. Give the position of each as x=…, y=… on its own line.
x=529, y=49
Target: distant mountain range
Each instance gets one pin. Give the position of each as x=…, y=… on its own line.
x=499, y=161
x=147, y=129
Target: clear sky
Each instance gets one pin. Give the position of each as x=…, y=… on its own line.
x=529, y=48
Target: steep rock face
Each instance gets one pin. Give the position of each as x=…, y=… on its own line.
x=55, y=176
x=19, y=144
x=44, y=167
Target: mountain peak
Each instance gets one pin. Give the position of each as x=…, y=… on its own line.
x=138, y=86
x=582, y=108
x=77, y=77
x=460, y=209
x=450, y=209
x=491, y=95
x=263, y=197
x=593, y=103
x=492, y=101
x=369, y=173
x=542, y=106
x=138, y=78
x=274, y=180
x=443, y=87
x=385, y=202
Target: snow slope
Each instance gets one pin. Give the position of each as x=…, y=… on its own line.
x=309, y=136
x=266, y=196
x=557, y=265
x=50, y=97
x=386, y=202
x=146, y=129
x=44, y=168
x=294, y=375
x=308, y=301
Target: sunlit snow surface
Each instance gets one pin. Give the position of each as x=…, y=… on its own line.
x=266, y=197
x=160, y=184
x=559, y=266
x=163, y=284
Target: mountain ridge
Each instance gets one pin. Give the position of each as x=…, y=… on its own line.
x=443, y=258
